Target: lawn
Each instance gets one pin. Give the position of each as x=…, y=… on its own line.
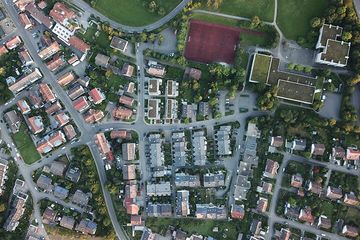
x=132, y=12
x=227, y=230
x=246, y=8
x=294, y=16
x=260, y=68
x=26, y=146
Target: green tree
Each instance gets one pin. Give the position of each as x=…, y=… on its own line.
x=316, y=22
x=255, y=22
x=346, y=36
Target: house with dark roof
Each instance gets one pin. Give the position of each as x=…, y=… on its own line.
x=61, y=192
x=80, y=198
x=323, y=222
x=334, y=193
x=44, y=182
x=67, y=222
x=87, y=227
x=49, y=215
x=13, y=121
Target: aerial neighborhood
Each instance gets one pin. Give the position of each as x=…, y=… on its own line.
x=180, y=120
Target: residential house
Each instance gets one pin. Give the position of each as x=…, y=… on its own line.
x=80, y=198
x=61, y=192
x=171, y=109
x=3, y=177
x=155, y=69
x=338, y=153
x=334, y=193
x=172, y=88
x=317, y=149
x=13, y=42
x=127, y=101
x=242, y=186
x=131, y=189
x=62, y=14
x=186, y=180
x=129, y=88
x=222, y=138
x=122, y=113
x=277, y=141
x=129, y=172
x=73, y=174
x=66, y=78
x=204, y=109
x=214, y=179
x=352, y=154
x=69, y=131
x=131, y=207
x=56, y=63
x=285, y=234
x=156, y=151
x=209, y=211
x=291, y=212
x=306, y=215
x=122, y=134
x=135, y=220
x=199, y=144
x=296, y=180
x=25, y=81
x=57, y=168
x=50, y=142
x=179, y=149
x=127, y=70
x=76, y=92
x=38, y=15
x=182, y=203
x=74, y=60
x=62, y=119
x=350, y=231
x=3, y=50
x=128, y=151
x=314, y=187
x=44, y=183
x=271, y=168
x=87, y=227
x=16, y=212
x=154, y=86
x=35, y=124
x=262, y=205
x=159, y=210
x=12, y=119
x=237, y=211
x=323, y=222
x=67, y=222
x=96, y=96
x=25, y=58
x=79, y=45
x=351, y=199
x=153, y=108
x=53, y=108
x=158, y=189
x=193, y=73
x=46, y=93
x=102, y=60
x=81, y=104
x=49, y=215
x=93, y=116
x=49, y=51
x=84, y=81
x=24, y=20
x=104, y=146
x=119, y=44
x=298, y=144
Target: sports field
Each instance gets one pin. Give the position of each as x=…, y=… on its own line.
x=132, y=12
x=209, y=43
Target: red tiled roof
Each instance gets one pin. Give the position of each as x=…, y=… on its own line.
x=69, y=131
x=46, y=93
x=38, y=15
x=122, y=113
x=123, y=134
x=61, y=13
x=24, y=20
x=93, y=116
x=79, y=44
x=13, y=42
x=23, y=106
x=3, y=50
x=96, y=95
x=55, y=63
x=62, y=119
x=352, y=154
x=66, y=79
x=81, y=104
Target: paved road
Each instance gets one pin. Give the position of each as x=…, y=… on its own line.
x=89, y=10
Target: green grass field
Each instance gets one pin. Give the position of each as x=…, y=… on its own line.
x=131, y=12
x=294, y=16
x=249, y=8
x=26, y=146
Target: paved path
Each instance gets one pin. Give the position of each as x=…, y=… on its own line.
x=89, y=10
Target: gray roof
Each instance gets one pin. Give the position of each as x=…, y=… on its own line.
x=73, y=174
x=155, y=149
x=80, y=198
x=185, y=180
x=199, y=148
x=204, y=108
x=223, y=140
x=57, y=168
x=44, y=182
x=156, y=210
x=179, y=149
x=61, y=192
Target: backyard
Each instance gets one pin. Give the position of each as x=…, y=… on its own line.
x=294, y=16
x=246, y=8
x=132, y=13
x=25, y=145
x=227, y=230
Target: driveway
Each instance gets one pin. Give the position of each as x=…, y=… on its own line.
x=169, y=43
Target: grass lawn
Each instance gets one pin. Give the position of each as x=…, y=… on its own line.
x=227, y=230
x=251, y=40
x=261, y=68
x=246, y=8
x=132, y=12
x=25, y=145
x=294, y=16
